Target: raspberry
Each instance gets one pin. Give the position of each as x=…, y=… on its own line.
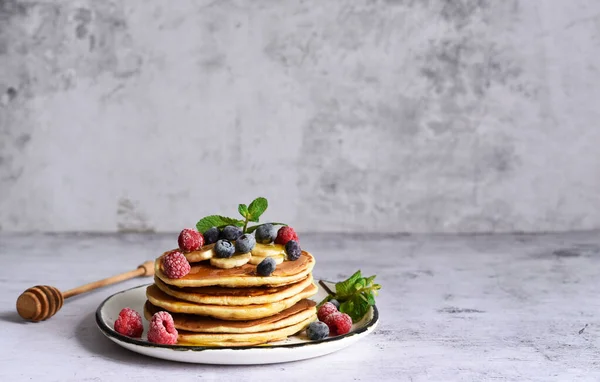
x=190, y=240
x=286, y=234
x=129, y=323
x=325, y=310
x=175, y=265
x=162, y=329
x=339, y=323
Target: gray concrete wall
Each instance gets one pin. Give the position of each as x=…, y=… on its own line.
x=348, y=115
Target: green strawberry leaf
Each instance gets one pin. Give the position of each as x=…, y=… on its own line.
x=243, y=210
x=218, y=221
x=257, y=208
x=255, y=227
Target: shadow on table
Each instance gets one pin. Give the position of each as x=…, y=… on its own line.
x=11, y=316
x=90, y=337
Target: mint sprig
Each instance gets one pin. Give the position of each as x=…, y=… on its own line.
x=218, y=221
x=250, y=213
x=356, y=295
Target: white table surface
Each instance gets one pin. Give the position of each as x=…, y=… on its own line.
x=453, y=308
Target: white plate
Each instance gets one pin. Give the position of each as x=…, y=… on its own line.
x=291, y=349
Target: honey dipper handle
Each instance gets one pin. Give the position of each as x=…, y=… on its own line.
x=146, y=269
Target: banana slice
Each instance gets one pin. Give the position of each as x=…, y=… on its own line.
x=204, y=253
x=257, y=259
x=268, y=250
x=231, y=262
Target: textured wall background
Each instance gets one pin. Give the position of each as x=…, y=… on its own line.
x=450, y=116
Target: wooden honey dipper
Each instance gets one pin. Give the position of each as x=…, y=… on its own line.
x=42, y=301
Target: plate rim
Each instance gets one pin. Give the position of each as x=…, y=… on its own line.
x=111, y=333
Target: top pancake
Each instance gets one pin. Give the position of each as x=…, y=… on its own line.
x=203, y=274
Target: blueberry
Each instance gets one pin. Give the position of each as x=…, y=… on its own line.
x=230, y=233
x=211, y=235
x=224, y=248
x=335, y=302
x=317, y=330
x=245, y=243
x=292, y=248
x=266, y=267
x=265, y=233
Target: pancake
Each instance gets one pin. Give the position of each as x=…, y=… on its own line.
x=300, y=311
x=216, y=295
x=203, y=274
x=241, y=339
x=225, y=312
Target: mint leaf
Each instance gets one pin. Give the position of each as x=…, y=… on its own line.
x=346, y=288
x=243, y=210
x=356, y=307
x=218, y=221
x=255, y=227
x=356, y=295
x=257, y=208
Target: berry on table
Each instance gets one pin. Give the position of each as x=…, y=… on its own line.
x=338, y=323
x=129, y=323
x=224, y=249
x=175, y=265
x=190, y=240
x=230, y=232
x=245, y=243
x=293, y=250
x=266, y=267
x=325, y=310
x=285, y=234
x=265, y=233
x=317, y=330
x=162, y=329
x=211, y=235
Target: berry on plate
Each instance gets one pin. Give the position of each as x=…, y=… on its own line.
x=129, y=323
x=325, y=310
x=190, y=240
x=162, y=329
x=339, y=323
x=335, y=302
x=317, y=330
x=175, y=265
x=285, y=234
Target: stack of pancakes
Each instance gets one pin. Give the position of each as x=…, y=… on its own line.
x=234, y=307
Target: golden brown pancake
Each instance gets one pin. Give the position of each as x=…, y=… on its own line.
x=203, y=274
x=241, y=339
x=225, y=312
x=300, y=311
x=216, y=295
